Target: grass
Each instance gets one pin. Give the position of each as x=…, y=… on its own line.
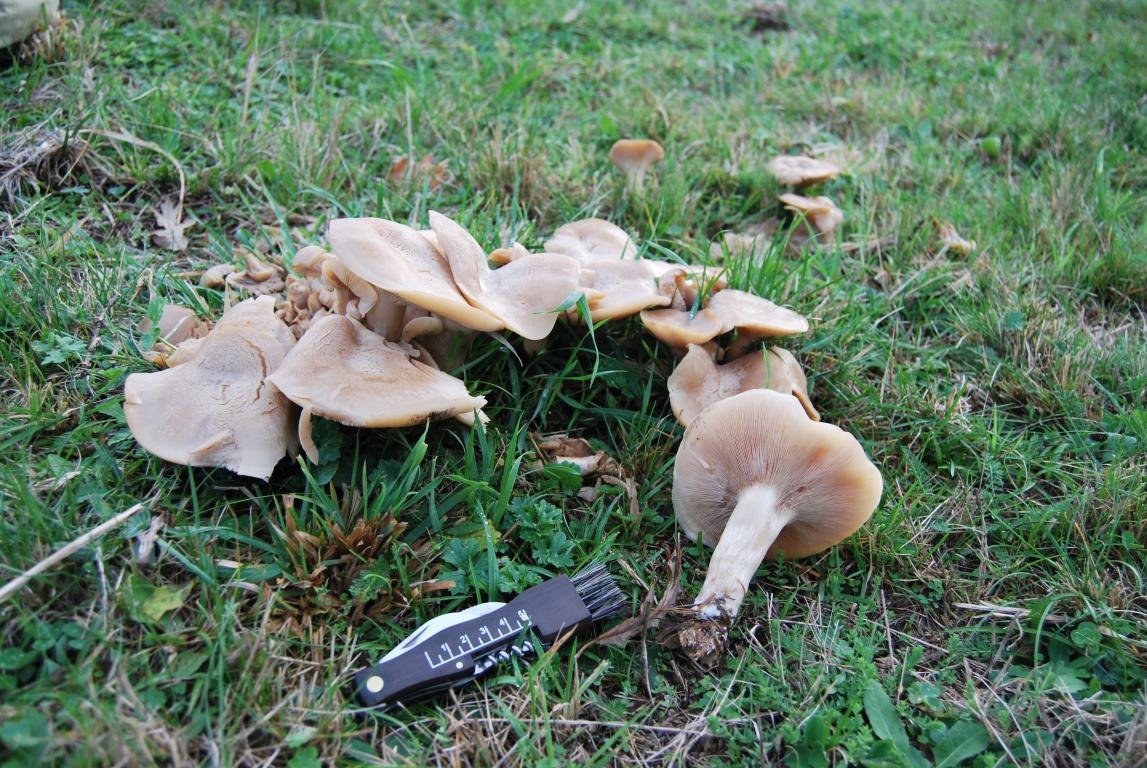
x=993, y=610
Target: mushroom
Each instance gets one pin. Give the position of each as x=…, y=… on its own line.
x=525, y=294
x=635, y=157
x=212, y=407
x=405, y=263
x=216, y=276
x=753, y=318
x=176, y=325
x=616, y=289
x=756, y=478
x=800, y=171
x=820, y=212
x=592, y=240
x=343, y=371
x=697, y=382
x=19, y=20
x=681, y=328
x=257, y=277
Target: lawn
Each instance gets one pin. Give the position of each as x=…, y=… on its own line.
x=993, y=610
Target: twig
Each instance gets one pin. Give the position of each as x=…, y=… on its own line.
x=18, y=583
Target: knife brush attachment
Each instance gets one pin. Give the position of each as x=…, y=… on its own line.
x=455, y=649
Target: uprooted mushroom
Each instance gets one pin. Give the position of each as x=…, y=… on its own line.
x=754, y=478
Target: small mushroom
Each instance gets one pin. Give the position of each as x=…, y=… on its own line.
x=680, y=328
x=176, y=325
x=635, y=157
x=216, y=276
x=800, y=171
x=343, y=371
x=820, y=212
x=259, y=278
x=756, y=478
x=753, y=318
x=698, y=381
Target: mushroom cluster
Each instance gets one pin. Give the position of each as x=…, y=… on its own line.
x=360, y=334
x=359, y=331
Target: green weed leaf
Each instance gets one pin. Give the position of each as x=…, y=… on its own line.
x=964, y=740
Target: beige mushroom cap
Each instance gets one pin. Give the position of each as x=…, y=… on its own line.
x=821, y=212
x=799, y=171
x=525, y=294
x=681, y=328
x=635, y=157
x=405, y=263
x=213, y=407
x=698, y=382
x=342, y=371
x=754, y=316
x=592, y=240
x=616, y=289
x=757, y=478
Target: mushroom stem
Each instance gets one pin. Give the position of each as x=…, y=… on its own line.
x=752, y=528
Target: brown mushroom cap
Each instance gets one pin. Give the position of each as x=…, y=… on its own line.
x=799, y=171
x=754, y=316
x=697, y=382
x=342, y=371
x=681, y=328
x=213, y=408
x=757, y=478
x=403, y=262
x=635, y=157
x=821, y=212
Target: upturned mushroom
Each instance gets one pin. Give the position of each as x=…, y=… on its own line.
x=635, y=157
x=524, y=294
x=404, y=262
x=756, y=478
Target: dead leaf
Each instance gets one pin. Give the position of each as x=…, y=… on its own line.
x=404, y=170
x=172, y=225
x=950, y=240
x=767, y=17
x=652, y=608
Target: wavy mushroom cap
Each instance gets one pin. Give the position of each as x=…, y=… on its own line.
x=213, y=408
x=405, y=263
x=342, y=371
x=525, y=294
x=799, y=171
x=821, y=212
x=816, y=473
